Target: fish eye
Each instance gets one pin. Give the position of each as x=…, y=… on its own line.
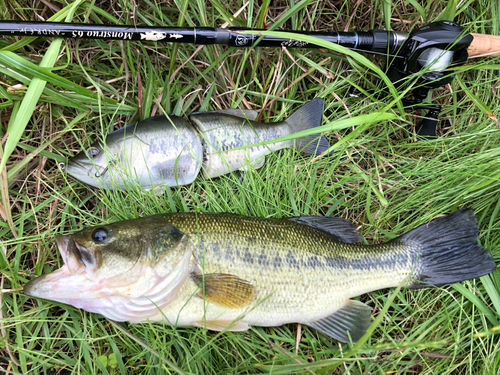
x=92, y=152
x=100, y=235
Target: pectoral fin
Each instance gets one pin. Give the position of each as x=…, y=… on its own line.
x=354, y=317
x=225, y=290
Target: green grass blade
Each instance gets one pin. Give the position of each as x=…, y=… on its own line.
x=42, y=74
x=478, y=102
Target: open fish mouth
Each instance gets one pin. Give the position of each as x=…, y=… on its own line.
x=68, y=283
x=70, y=252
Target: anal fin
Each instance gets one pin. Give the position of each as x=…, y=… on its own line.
x=348, y=323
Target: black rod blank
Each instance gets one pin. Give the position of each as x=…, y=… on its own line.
x=377, y=41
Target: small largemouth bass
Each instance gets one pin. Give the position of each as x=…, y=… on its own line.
x=168, y=150
x=225, y=271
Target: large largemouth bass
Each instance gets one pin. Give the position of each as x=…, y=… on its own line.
x=226, y=271
x=170, y=150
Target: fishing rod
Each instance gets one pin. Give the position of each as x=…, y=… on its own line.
x=374, y=41
x=371, y=41
x=432, y=48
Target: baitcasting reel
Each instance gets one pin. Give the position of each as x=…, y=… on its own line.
x=432, y=49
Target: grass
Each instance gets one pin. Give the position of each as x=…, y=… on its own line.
x=56, y=96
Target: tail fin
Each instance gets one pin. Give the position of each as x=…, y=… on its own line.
x=449, y=250
x=307, y=117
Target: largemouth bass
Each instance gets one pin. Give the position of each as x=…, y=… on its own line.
x=226, y=271
x=170, y=150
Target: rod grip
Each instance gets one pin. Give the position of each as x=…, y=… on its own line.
x=484, y=45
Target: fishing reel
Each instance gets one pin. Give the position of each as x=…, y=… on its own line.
x=426, y=52
x=431, y=49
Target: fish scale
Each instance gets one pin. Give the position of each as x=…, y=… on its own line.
x=227, y=271
x=295, y=245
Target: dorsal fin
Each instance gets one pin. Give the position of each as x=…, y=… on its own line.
x=249, y=114
x=341, y=229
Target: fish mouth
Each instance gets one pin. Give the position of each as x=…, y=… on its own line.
x=70, y=253
x=81, y=168
x=67, y=283
x=89, y=173
x=43, y=286
x=75, y=163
